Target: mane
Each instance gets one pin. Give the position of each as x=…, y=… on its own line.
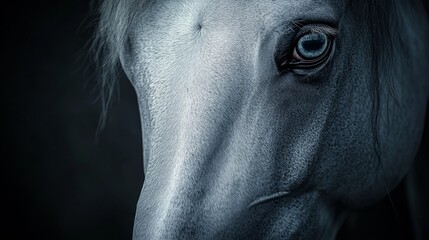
x=382, y=21
x=114, y=19
x=386, y=24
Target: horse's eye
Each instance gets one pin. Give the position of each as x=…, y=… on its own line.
x=311, y=46
x=311, y=49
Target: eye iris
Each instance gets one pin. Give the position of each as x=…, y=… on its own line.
x=312, y=45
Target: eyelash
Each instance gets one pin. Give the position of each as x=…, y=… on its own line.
x=286, y=61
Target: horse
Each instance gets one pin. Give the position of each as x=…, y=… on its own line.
x=267, y=119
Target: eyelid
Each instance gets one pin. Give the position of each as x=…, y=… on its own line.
x=285, y=58
x=301, y=28
x=315, y=28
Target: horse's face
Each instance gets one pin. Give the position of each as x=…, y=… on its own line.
x=239, y=141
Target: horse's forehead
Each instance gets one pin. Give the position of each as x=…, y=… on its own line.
x=172, y=24
x=242, y=14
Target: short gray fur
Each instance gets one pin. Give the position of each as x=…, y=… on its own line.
x=233, y=149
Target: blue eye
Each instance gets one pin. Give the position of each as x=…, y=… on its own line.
x=312, y=45
x=311, y=48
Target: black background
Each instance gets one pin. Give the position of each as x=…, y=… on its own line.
x=59, y=181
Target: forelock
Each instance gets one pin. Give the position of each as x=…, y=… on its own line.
x=115, y=18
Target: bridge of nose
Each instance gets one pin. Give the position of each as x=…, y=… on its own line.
x=204, y=78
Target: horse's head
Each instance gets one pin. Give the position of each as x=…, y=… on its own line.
x=260, y=118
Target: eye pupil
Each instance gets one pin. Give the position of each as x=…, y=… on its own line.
x=312, y=45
